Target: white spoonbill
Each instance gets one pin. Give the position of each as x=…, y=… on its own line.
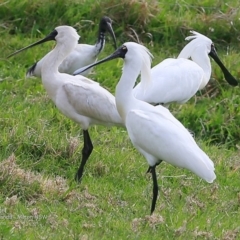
x=154, y=131
x=177, y=80
x=82, y=54
x=77, y=97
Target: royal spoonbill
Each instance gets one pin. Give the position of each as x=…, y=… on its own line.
x=77, y=97
x=177, y=80
x=82, y=54
x=154, y=131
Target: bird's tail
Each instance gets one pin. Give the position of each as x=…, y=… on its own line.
x=30, y=71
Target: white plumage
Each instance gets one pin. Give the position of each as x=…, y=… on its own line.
x=177, y=80
x=173, y=80
x=154, y=131
x=77, y=97
x=82, y=55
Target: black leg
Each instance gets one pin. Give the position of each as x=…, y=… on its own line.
x=86, y=152
x=155, y=187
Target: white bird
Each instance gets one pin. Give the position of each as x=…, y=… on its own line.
x=82, y=54
x=154, y=131
x=177, y=80
x=77, y=97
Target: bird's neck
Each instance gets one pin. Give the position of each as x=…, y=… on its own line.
x=100, y=42
x=55, y=57
x=203, y=60
x=124, y=90
x=51, y=78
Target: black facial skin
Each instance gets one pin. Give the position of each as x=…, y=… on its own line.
x=228, y=76
x=105, y=25
x=119, y=53
x=49, y=37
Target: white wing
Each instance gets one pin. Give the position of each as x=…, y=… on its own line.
x=92, y=101
x=173, y=80
x=81, y=56
x=160, y=137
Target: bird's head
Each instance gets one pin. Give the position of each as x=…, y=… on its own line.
x=105, y=25
x=61, y=34
x=201, y=45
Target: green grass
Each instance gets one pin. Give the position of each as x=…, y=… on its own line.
x=40, y=149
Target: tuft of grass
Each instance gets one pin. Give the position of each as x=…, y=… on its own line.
x=27, y=185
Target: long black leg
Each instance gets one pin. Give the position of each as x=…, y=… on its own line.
x=155, y=185
x=155, y=188
x=86, y=152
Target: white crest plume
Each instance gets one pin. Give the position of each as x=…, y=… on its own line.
x=147, y=57
x=197, y=40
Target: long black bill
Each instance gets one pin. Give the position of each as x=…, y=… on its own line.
x=119, y=53
x=228, y=76
x=49, y=37
x=106, y=26
x=110, y=30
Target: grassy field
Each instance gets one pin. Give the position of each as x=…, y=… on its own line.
x=40, y=149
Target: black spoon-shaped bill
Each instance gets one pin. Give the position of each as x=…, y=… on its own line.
x=106, y=25
x=119, y=53
x=49, y=37
x=228, y=76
